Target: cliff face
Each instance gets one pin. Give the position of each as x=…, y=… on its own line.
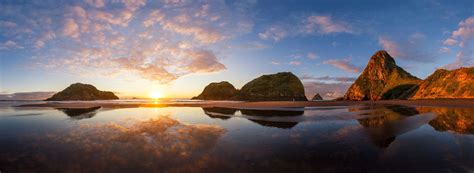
x=218, y=91
x=381, y=79
x=283, y=86
x=442, y=83
x=79, y=91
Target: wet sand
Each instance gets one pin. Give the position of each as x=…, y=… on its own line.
x=467, y=103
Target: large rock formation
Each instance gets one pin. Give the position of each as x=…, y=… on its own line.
x=317, y=97
x=283, y=86
x=79, y=91
x=218, y=91
x=381, y=79
x=442, y=83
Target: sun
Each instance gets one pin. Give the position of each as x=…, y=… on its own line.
x=155, y=94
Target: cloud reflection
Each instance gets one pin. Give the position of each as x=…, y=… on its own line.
x=161, y=143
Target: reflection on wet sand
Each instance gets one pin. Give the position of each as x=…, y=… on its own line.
x=258, y=112
x=161, y=143
x=277, y=124
x=226, y=113
x=385, y=123
x=218, y=112
x=460, y=120
x=80, y=113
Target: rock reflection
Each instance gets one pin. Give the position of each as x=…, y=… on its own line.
x=385, y=123
x=258, y=112
x=218, y=112
x=144, y=146
x=226, y=113
x=80, y=113
x=281, y=125
x=460, y=120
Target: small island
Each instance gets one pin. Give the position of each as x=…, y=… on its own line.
x=283, y=86
x=79, y=91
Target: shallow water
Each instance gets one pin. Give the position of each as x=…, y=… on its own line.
x=178, y=139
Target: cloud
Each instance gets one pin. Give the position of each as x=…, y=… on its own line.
x=412, y=48
x=70, y=29
x=312, y=55
x=7, y=24
x=154, y=17
x=464, y=33
x=343, y=64
x=328, y=78
x=416, y=37
x=391, y=46
x=464, y=58
x=313, y=24
x=10, y=45
x=326, y=90
x=295, y=63
x=165, y=42
x=96, y=3
x=444, y=50
x=463, y=37
x=202, y=61
x=274, y=63
x=274, y=33
x=325, y=25
x=450, y=42
x=49, y=35
x=26, y=96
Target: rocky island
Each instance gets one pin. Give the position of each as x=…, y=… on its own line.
x=382, y=79
x=218, y=91
x=283, y=86
x=79, y=91
x=317, y=97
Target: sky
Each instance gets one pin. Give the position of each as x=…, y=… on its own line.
x=177, y=47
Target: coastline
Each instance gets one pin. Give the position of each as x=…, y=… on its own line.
x=463, y=103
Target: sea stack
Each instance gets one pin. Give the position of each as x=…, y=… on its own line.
x=381, y=79
x=217, y=91
x=317, y=97
x=283, y=86
x=443, y=84
x=79, y=91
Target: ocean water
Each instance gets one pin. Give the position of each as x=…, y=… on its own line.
x=360, y=138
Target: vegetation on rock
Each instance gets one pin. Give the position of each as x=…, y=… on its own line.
x=218, y=91
x=79, y=91
x=283, y=86
x=442, y=83
x=381, y=79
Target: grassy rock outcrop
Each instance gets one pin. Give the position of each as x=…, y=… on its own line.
x=382, y=79
x=283, y=86
x=218, y=91
x=79, y=91
x=442, y=83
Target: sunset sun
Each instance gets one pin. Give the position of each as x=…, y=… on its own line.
x=155, y=94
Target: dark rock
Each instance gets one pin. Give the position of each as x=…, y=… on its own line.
x=79, y=91
x=283, y=86
x=382, y=79
x=317, y=97
x=217, y=91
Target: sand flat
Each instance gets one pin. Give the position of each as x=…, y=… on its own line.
x=469, y=103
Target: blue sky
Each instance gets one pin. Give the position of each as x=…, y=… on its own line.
x=134, y=47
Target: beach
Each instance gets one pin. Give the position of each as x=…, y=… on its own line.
x=462, y=103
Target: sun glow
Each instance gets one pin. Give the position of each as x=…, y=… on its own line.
x=155, y=94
